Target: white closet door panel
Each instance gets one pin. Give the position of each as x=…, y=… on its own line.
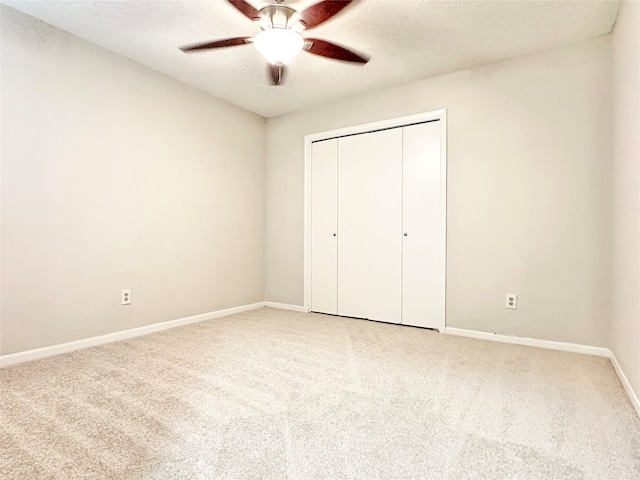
x=324, y=226
x=422, y=286
x=370, y=225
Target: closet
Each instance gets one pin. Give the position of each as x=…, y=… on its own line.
x=377, y=225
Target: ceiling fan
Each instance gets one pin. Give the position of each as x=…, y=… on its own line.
x=280, y=39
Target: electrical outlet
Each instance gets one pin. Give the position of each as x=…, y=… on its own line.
x=512, y=301
x=125, y=297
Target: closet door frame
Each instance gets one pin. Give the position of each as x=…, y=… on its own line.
x=439, y=115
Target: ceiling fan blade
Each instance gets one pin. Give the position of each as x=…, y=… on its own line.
x=331, y=50
x=322, y=11
x=228, y=42
x=245, y=8
x=276, y=74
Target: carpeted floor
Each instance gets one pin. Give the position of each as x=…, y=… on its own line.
x=277, y=394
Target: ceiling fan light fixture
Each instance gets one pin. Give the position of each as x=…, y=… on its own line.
x=280, y=39
x=278, y=45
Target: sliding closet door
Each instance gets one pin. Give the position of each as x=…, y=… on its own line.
x=370, y=225
x=324, y=226
x=422, y=260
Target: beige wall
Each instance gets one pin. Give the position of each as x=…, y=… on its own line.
x=115, y=176
x=626, y=188
x=529, y=190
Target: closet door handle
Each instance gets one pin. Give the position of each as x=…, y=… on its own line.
x=405, y=234
x=334, y=234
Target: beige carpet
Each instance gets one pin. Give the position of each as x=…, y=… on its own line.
x=276, y=394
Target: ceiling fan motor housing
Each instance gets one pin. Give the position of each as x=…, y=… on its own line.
x=278, y=15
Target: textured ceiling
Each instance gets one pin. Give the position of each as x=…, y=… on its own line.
x=407, y=40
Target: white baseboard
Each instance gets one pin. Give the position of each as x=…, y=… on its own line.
x=285, y=306
x=635, y=401
x=38, y=353
x=532, y=342
x=551, y=345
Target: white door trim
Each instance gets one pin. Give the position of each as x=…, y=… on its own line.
x=440, y=115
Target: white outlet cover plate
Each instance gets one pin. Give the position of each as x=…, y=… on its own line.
x=511, y=301
x=125, y=297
